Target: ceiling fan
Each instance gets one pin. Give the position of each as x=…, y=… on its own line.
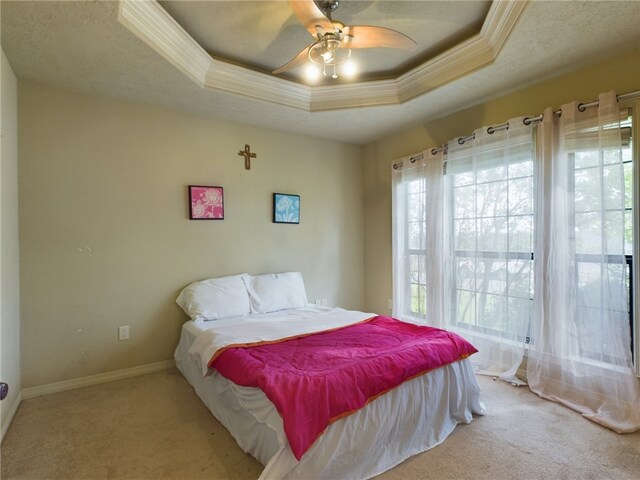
x=334, y=39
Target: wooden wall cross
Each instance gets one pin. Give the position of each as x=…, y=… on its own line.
x=248, y=155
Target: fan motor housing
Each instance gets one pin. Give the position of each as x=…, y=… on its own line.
x=327, y=6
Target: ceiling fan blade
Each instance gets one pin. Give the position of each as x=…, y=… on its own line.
x=311, y=16
x=298, y=60
x=366, y=36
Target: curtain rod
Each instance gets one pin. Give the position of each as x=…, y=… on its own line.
x=527, y=121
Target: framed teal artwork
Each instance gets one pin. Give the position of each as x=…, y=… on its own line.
x=286, y=208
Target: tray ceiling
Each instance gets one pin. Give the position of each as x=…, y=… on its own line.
x=265, y=35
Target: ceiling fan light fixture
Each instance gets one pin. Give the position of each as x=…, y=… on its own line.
x=326, y=51
x=349, y=69
x=327, y=56
x=334, y=40
x=312, y=73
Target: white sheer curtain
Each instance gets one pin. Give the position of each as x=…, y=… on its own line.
x=437, y=249
x=510, y=243
x=580, y=352
x=419, y=275
x=488, y=247
x=409, y=238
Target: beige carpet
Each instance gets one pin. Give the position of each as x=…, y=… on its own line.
x=155, y=427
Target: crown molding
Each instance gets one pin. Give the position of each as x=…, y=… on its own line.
x=499, y=22
x=242, y=81
x=151, y=23
x=349, y=95
x=456, y=62
x=154, y=26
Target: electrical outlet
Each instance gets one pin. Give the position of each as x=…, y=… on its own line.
x=123, y=332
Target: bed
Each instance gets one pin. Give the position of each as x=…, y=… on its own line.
x=416, y=415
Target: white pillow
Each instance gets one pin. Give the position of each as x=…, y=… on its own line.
x=215, y=298
x=275, y=291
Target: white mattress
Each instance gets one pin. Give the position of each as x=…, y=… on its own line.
x=410, y=419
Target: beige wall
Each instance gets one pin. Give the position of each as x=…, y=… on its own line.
x=621, y=74
x=9, y=246
x=105, y=234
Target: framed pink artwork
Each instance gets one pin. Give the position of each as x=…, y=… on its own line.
x=206, y=203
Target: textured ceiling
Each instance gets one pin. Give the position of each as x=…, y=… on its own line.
x=81, y=46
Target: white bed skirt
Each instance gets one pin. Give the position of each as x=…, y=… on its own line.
x=416, y=416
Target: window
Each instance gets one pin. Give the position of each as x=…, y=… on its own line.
x=490, y=221
x=416, y=235
x=603, y=199
x=507, y=245
x=492, y=225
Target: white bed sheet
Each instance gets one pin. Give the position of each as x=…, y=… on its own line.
x=410, y=419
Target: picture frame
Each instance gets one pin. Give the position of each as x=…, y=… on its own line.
x=206, y=202
x=286, y=208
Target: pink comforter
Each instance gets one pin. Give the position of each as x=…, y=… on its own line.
x=317, y=379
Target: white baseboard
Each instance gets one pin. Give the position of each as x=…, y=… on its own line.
x=95, y=379
x=6, y=420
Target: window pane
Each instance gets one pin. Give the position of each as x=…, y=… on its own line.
x=418, y=298
x=491, y=311
x=465, y=307
x=491, y=199
x=521, y=196
x=628, y=185
x=416, y=186
x=616, y=283
x=519, y=312
x=417, y=269
x=465, y=201
x=490, y=174
x=589, y=282
x=491, y=276
x=493, y=234
x=601, y=287
x=463, y=179
x=613, y=186
x=588, y=158
x=588, y=233
x=587, y=190
x=611, y=156
x=465, y=235
x=416, y=207
x=614, y=233
x=521, y=278
x=628, y=232
x=521, y=234
x=465, y=273
x=523, y=169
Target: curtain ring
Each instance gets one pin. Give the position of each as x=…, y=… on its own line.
x=581, y=107
x=526, y=121
x=434, y=151
x=396, y=166
x=461, y=141
x=490, y=130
